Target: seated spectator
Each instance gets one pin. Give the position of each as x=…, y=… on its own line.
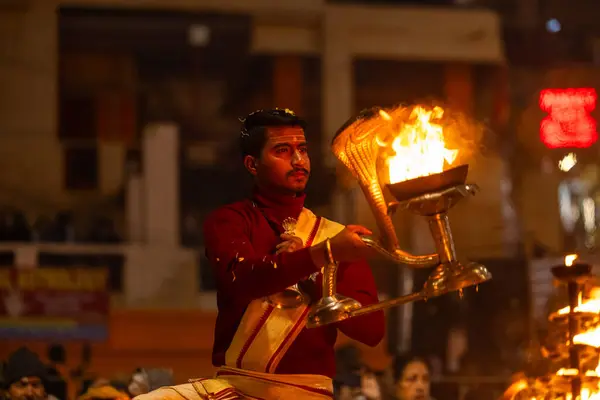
x=25, y=376
x=412, y=378
x=353, y=380
x=146, y=380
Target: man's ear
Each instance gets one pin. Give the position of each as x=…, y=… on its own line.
x=250, y=163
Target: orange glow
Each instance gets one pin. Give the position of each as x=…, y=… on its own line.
x=589, y=338
x=419, y=147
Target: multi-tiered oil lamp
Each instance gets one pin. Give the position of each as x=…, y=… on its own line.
x=408, y=143
x=573, y=342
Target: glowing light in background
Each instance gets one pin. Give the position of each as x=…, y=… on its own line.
x=553, y=25
x=568, y=123
x=589, y=214
x=569, y=212
x=568, y=162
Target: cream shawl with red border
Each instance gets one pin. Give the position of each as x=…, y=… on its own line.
x=266, y=332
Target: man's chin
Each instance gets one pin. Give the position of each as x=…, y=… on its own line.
x=298, y=185
x=297, y=189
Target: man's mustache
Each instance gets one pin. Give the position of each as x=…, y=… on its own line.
x=295, y=171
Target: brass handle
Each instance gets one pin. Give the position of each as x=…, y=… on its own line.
x=401, y=257
x=330, y=280
x=382, y=305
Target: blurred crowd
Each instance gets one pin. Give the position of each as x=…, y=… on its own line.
x=25, y=377
x=411, y=377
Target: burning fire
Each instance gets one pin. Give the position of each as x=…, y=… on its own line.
x=592, y=336
x=589, y=338
x=590, y=305
x=570, y=259
x=420, y=149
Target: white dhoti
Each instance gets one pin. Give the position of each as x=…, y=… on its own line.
x=232, y=383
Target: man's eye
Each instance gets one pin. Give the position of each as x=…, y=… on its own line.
x=303, y=150
x=282, y=150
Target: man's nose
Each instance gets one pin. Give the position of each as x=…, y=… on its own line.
x=297, y=158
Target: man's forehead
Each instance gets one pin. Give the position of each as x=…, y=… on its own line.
x=30, y=379
x=286, y=134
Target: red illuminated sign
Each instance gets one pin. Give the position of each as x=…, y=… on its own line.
x=568, y=123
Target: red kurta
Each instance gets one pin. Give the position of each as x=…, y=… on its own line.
x=240, y=241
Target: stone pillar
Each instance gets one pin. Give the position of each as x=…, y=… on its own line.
x=287, y=82
x=135, y=208
x=161, y=184
x=338, y=105
x=337, y=81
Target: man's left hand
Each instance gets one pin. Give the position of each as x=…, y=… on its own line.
x=290, y=244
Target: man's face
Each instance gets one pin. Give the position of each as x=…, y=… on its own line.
x=284, y=164
x=29, y=388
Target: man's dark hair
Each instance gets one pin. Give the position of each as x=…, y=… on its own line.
x=23, y=363
x=254, y=128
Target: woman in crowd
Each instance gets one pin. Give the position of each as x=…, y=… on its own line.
x=412, y=378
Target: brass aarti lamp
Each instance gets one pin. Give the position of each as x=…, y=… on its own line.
x=409, y=141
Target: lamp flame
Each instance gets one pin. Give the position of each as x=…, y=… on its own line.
x=570, y=259
x=420, y=148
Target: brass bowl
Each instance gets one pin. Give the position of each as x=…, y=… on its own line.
x=412, y=188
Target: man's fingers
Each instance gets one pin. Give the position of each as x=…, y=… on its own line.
x=291, y=238
x=288, y=246
x=359, y=230
x=281, y=247
x=286, y=236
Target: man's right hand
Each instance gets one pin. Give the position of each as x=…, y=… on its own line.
x=346, y=246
